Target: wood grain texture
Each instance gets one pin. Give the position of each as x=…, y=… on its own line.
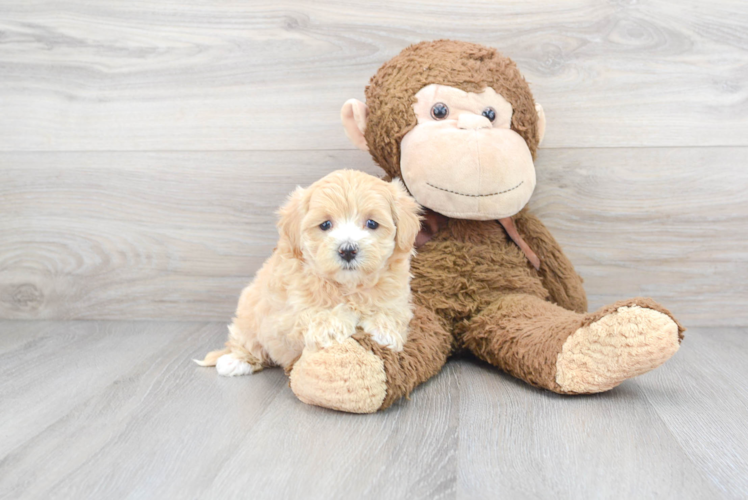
x=145, y=146
x=154, y=425
x=177, y=235
x=702, y=399
x=225, y=75
x=142, y=235
x=610, y=445
x=117, y=410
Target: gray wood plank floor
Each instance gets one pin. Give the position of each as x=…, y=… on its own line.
x=95, y=409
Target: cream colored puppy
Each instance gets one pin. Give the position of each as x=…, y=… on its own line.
x=342, y=262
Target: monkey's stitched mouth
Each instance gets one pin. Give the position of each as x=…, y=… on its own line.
x=476, y=195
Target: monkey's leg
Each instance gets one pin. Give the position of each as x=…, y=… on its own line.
x=361, y=376
x=572, y=353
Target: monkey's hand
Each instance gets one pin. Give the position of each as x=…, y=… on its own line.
x=329, y=327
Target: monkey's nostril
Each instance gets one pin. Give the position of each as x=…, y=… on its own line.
x=348, y=252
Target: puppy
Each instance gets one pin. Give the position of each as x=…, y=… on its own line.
x=342, y=263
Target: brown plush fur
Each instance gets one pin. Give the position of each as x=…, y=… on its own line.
x=473, y=287
x=523, y=335
x=466, y=66
x=424, y=355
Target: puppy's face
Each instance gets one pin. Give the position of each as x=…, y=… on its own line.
x=349, y=224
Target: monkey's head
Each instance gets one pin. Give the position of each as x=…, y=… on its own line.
x=457, y=122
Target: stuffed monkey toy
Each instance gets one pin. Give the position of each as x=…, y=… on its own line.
x=457, y=123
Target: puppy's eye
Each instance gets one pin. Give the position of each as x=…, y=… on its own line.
x=372, y=224
x=439, y=111
x=325, y=225
x=489, y=113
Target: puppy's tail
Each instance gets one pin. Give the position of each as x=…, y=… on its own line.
x=211, y=358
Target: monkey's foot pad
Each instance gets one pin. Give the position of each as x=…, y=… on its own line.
x=628, y=342
x=343, y=377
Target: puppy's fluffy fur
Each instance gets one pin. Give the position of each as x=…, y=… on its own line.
x=321, y=282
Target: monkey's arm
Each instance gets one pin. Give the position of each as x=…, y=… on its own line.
x=558, y=274
x=361, y=376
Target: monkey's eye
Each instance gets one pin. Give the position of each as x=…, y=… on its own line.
x=325, y=225
x=489, y=113
x=372, y=224
x=439, y=111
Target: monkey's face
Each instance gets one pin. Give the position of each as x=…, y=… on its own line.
x=463, y=159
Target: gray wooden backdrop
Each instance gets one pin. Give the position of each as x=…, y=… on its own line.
x=144, y=146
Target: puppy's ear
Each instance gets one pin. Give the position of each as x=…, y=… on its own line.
x=289, y=224
x=406, y=213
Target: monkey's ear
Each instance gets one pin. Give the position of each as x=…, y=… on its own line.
x=541, y=122
x=353, y=115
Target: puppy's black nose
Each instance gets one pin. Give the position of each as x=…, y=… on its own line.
x=348, y=251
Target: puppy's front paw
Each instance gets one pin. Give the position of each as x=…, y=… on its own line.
x=327, y=329
x=387, y=338
x=230, y=366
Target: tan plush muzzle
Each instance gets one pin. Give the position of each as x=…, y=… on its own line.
x=491, y=174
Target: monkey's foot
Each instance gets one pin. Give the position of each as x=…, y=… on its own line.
x=627, y=342
x=344, y=377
